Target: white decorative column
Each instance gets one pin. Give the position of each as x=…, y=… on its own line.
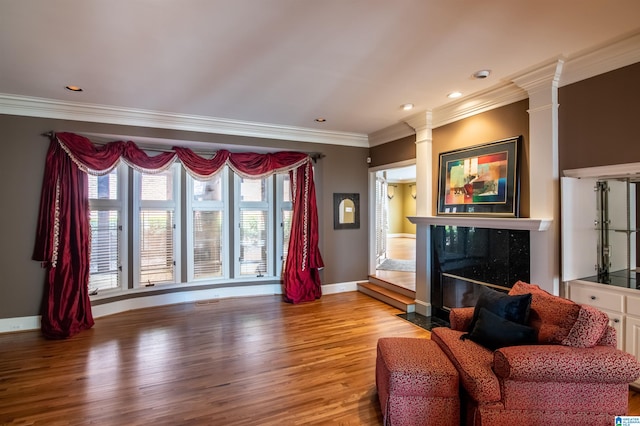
x=422, y=123
x=542, y=87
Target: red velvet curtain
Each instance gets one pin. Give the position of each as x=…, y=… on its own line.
x=63, y=244
x=63, y=234
x=301, y=272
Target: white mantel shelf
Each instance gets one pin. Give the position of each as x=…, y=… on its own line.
x=520, y=224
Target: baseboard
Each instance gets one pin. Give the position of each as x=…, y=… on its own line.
x=340, y=287
x=8, y=325
x=423, y=308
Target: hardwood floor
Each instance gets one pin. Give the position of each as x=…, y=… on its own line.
x=402, y=249
x=248, y=361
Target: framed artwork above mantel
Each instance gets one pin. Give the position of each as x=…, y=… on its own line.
x=481, y=180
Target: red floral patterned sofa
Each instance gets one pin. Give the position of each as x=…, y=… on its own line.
x=571, y=375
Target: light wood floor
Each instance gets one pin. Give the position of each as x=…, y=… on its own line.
x=246, y=361
x=400, y=248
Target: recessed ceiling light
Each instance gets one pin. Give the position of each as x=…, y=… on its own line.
x=481, y=74
x=73, y=88
x=454, y=95
x=321, y=120
x=407, y=107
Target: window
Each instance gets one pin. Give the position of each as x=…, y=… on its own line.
x=156, y=209
x=254, y=235
x=148, y=226
x=285, y=214
x=106, y=216
x=207, y=227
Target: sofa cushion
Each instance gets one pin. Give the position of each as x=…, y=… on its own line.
x=552, y=316
x=589, y=327
x=493, y=332
x=608, y=338
x=473, y=363
x=513, y=308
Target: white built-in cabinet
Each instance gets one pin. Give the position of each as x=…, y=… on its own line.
x=599, y=247
x=622, y=305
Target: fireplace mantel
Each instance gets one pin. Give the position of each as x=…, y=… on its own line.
x=523, y=224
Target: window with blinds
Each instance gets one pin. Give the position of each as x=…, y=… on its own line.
x=156, y=249
x=157, y=235
x=207, y=238
x=253, y=242
x=254, y=234
x=286, y=214
x=106, y=232
x=224, y=240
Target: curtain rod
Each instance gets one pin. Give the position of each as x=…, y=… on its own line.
x=315, y=156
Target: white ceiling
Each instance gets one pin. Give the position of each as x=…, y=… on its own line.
x=402, y=174
x=287, y=62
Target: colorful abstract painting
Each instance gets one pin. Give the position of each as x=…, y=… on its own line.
x=477, y=180
x=480, y=180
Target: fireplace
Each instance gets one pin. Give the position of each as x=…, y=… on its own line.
x=455, y=255
x=463, y=259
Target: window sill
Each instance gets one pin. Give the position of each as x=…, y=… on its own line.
x=107, y=295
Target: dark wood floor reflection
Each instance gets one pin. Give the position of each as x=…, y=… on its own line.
x=246, y=361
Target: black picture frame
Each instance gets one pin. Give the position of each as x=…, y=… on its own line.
x=346, y=211
x=481, y=180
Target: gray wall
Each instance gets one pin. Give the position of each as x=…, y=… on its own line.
x=343, y=169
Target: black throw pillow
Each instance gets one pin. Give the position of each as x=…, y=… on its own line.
x=513, y=308
x=494, y=332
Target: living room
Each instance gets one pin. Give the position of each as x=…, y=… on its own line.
x=595, y=127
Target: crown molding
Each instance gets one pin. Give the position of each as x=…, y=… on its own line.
x=49, y=108
x=390, y=134
x=541, y=76
x=478, y=103
x=615, y=54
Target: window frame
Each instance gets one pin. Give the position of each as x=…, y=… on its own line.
x=281, y=205
x=190, y=207
x=137, y=206
x=265, y=205
x=119, y=205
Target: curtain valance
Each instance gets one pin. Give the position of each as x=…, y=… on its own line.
x=63, y=234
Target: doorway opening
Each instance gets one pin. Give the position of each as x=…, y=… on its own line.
x=395, y=244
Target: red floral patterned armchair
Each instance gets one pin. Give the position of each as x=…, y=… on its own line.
x=572, y=375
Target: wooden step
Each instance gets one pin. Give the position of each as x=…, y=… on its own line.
x=387, y=296
x=391, y=286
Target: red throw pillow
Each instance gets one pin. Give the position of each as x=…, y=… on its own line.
x=553, y=316
x=588, y=328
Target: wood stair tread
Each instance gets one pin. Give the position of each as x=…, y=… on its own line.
x=386, y=292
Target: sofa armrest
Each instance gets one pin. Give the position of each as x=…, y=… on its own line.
x=460, y=318
x=557, y=363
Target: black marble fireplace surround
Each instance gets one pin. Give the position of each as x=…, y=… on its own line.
x=465, y=258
